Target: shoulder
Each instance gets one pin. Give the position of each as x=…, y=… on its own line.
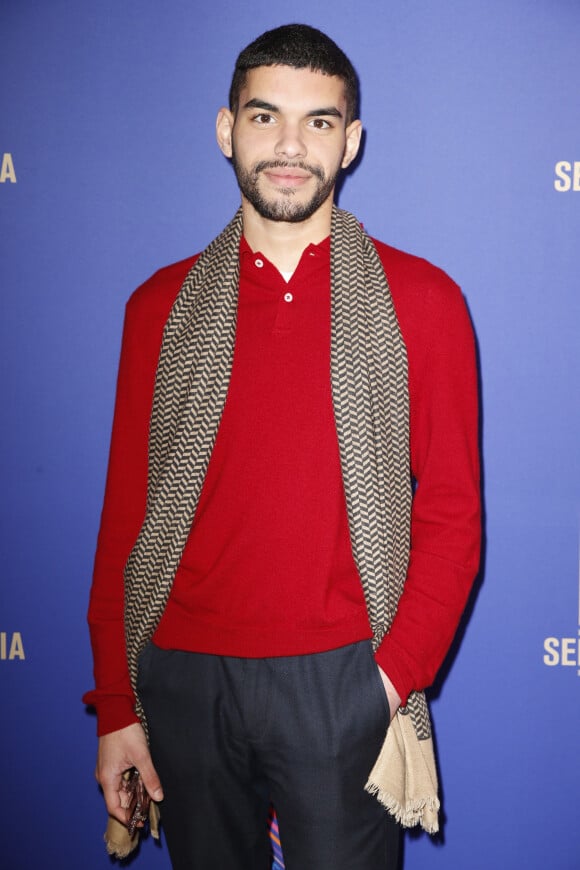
x=408, y=274
x=153, y=299
x=425, y=297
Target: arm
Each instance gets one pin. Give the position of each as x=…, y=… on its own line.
x=122, y=741
x=123, y=512
x=125, y=494
x=445, y=517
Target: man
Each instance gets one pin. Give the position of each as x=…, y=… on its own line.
x=297, y=562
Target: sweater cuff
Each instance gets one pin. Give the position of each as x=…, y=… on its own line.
x=113, y=711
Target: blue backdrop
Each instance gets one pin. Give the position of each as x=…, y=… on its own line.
x=109, y=170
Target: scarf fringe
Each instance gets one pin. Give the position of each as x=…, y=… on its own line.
x=421, y=811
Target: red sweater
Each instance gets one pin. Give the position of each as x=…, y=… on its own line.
x=268, y=568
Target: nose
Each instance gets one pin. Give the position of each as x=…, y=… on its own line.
x=290, y=143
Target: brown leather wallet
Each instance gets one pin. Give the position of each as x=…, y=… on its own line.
x=139, y=800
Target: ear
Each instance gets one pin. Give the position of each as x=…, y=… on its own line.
x=224, y=127
x=353, y=137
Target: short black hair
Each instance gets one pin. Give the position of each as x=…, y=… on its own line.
x=301, y=47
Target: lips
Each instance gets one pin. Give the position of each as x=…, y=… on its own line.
x=283, y=174
x=287, y=177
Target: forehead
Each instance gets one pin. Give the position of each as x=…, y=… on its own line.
x=289, y=88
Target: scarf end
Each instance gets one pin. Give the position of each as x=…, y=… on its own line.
x=421, y=811
x=117, y=840
x=118, y=843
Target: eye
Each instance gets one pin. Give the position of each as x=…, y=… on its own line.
x=263, y=118
x=320, y=124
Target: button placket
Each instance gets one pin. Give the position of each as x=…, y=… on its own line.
x=285, y=316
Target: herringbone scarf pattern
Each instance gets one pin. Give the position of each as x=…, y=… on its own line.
x=370, y=396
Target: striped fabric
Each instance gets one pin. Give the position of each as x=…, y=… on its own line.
x=277, y=857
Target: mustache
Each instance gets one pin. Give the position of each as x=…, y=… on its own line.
x=287, y=164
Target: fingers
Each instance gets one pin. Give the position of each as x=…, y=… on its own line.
x=150, y=778
x=113, y=794
x=119, y=751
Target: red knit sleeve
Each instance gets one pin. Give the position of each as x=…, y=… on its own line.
x=445, y=519
x=125, y=494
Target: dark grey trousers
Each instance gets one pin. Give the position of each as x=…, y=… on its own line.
x=230, y=735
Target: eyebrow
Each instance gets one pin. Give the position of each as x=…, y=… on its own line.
x=331, y=111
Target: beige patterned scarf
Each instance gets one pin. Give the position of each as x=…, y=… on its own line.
x=371, y=406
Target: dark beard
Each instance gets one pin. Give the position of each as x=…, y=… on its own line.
x=285, y=209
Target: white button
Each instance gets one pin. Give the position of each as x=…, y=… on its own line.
x=288, y=297
x=259, y=263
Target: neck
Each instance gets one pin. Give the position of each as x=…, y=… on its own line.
x=283, y=242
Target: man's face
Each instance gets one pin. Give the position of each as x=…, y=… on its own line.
x=288, y=140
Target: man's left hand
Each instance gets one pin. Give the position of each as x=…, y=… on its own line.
x=392, y=695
